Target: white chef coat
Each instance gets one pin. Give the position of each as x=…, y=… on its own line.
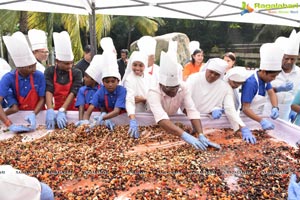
x=154, y=69
x=285, y=98
x=136, y=86
x=40, y=67
x=15, y=185
x=162, y=106
x=208, y=96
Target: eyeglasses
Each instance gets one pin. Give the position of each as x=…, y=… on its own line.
x=169, y=88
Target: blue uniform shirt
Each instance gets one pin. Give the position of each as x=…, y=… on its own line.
x=85, y=95
x=250, y=87
x=8, y=81
x=116, y=99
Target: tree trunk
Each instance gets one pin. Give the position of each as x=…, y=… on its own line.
x=23, y=22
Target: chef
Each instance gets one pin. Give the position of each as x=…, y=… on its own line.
x=168, y=96
x=39, y=47
x=26, y=85
x=257, y=86
x=62, y=82
x=287, y=83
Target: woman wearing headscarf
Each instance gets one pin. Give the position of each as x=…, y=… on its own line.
x=137, y=84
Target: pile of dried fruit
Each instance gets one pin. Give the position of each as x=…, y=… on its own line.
x=103, y=165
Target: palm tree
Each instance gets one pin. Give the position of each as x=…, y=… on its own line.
x=145, y=25
x=12, y=21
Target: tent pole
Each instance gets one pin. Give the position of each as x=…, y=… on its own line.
x=93, y=37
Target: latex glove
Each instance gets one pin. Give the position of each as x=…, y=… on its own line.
x=266, y=124
x=50, y=119
x=61, y=120
x=217, y=113
x=285, y=87
x=247, y=135
x=31, y=120
x=274, y=113
x=99, y=118
x=193, y=141
x=206, y=142
x=292, y=116
x=294, y=188
x=19, y=128
x=82, y=122
x=109, y=124
x=134, y=129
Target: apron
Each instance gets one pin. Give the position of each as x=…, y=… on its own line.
x=86, y=106
x=109, y=109
x=61, y=92
x=258, y=102
x=30, y=101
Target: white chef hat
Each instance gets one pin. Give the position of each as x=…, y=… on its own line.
x=38, y=39
x=217, y=65
x=147, y=45
x=110, y=66
x=4, y=67
x=172, y=49
x=107, y=44
x=94, y=69
x=193, y=45
x=168, y=73
x=63, y=46
x=292, y=46
x=270, y=57
x=238, y=74
x=19, y=50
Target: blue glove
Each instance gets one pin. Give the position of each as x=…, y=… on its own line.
x=294, y=188
x=286, y=87
x=266, y=125
x=247, y=135
x=206, y=142
x=109, y=124
x=193, y=141
x=31, y=120
x=61, y=120
x=82, y=122
x=292, y=116
x=217, y=113
x=134, y=129
x=50, y=119
x=99, y=118
x=274, y=113
x=19, y=128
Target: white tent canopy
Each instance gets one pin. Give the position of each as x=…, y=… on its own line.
x=277, y=12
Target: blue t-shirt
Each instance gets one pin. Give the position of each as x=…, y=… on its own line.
x=8, y=82
x=116, y=99
x=85, y=95
x=249, y=89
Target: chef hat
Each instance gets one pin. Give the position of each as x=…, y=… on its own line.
x=168, y=73
x=63, y=47
x=292, y=46
x=238, y=74
x=194, y=45
x=38, y=39
x=107, y=44
x=147, y=45
x=4, y=67
x=217, y=65
x=172, y=49
x=270, y=57
x=19, y=50
x=110, y=66
x=94, y=69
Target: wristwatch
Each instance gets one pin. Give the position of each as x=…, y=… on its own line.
x=62, y=109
